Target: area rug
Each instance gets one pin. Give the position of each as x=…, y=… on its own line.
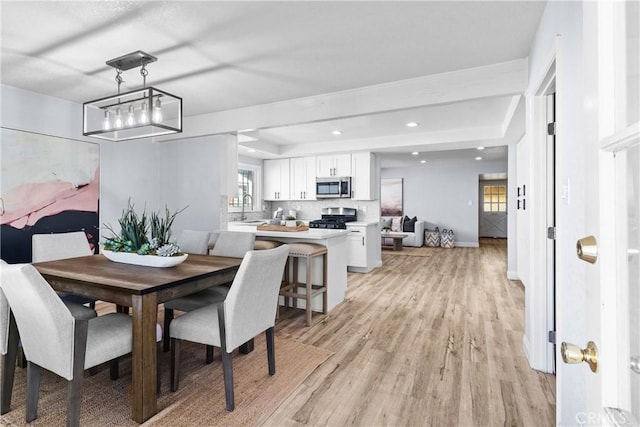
x=200, y=399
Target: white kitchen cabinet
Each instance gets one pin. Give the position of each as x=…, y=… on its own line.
x=363, y=177
x=333, y=165
x=303, y=178
x=276, y=179
x=363, y=244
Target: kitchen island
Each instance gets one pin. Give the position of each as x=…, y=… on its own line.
x=337, y=253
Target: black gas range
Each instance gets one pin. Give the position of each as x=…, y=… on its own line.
x=335, y=218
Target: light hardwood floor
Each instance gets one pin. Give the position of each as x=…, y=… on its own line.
x=434, y=337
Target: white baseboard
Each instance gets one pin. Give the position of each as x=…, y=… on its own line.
x=512, y=275
x=525, y=348
x=467, y=244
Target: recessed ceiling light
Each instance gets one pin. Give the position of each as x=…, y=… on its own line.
x=336, y=132
x=478, y=158
x=480, y=148
x=251, y=150
x=423, y=161
x=412, y=124
x=415, y=153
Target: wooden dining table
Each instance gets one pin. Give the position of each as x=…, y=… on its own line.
x=142, y=289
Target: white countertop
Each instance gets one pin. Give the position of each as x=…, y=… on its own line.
x=361, y=224
x=311, y=234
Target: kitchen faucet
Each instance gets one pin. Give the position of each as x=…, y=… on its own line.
x=242, y=215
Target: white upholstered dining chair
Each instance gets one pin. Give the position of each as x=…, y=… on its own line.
x=52, y=338
x=233, y=244
x=194, y=242
x=9, y=341
x=50, y=247
x=248, y=310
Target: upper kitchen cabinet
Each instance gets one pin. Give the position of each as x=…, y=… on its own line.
x=303, y=178
x=276, y=179
x=333, y=165
x=363, y=179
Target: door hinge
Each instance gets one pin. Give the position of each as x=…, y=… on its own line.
x=552, y=337
x=551, y=233
x=551, y=128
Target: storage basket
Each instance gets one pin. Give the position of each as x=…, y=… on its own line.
x=432, y=238
x=447, y=239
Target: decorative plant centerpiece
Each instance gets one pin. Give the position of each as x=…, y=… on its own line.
x=133, y=243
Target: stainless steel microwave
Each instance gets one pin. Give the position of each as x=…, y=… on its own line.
x=333, y=188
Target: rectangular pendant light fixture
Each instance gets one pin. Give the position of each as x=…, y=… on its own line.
x=141, y=113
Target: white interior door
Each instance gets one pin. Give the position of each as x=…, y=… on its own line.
x=613, y=288
x=493, y=209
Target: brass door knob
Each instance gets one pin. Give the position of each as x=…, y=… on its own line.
x=571, y=353
x=587, y=248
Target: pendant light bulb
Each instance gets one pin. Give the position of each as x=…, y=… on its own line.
x=130, y=118
x=157, y=111
x=144, y=113
x=106, y=124
x=118, y=123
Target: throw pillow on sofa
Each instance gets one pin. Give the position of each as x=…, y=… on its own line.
x=396, y=223
x=409, y=225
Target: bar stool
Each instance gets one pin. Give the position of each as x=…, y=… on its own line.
x=266, y=244
x=291, y=288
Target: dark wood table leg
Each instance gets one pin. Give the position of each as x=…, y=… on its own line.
x=397, y=244
x=144, y=361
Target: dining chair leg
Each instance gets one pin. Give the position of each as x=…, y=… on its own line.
x=22, y=359
x=74, y=393
x=209, y=357
x=271, y=354
x=9, y=367
x=114, y=369
x=227, y=368
x=74, y=399
x=175, y=360
x=168, y=317
x=33, y=390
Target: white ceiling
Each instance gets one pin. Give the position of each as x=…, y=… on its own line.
x=221, y=56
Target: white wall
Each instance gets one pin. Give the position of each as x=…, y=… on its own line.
x=32, y=112
x=446, y=194
x=560, y=31
x=128, y=170
x=190, y=176
x=512, y=223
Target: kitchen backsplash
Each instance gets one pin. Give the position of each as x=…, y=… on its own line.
x=368, y=210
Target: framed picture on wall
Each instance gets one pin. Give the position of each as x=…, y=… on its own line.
x=391, y=197
x=49, y=185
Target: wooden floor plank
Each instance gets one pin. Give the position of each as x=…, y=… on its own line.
x=433, y=337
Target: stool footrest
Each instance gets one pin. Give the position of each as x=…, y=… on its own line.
x=288, y=291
